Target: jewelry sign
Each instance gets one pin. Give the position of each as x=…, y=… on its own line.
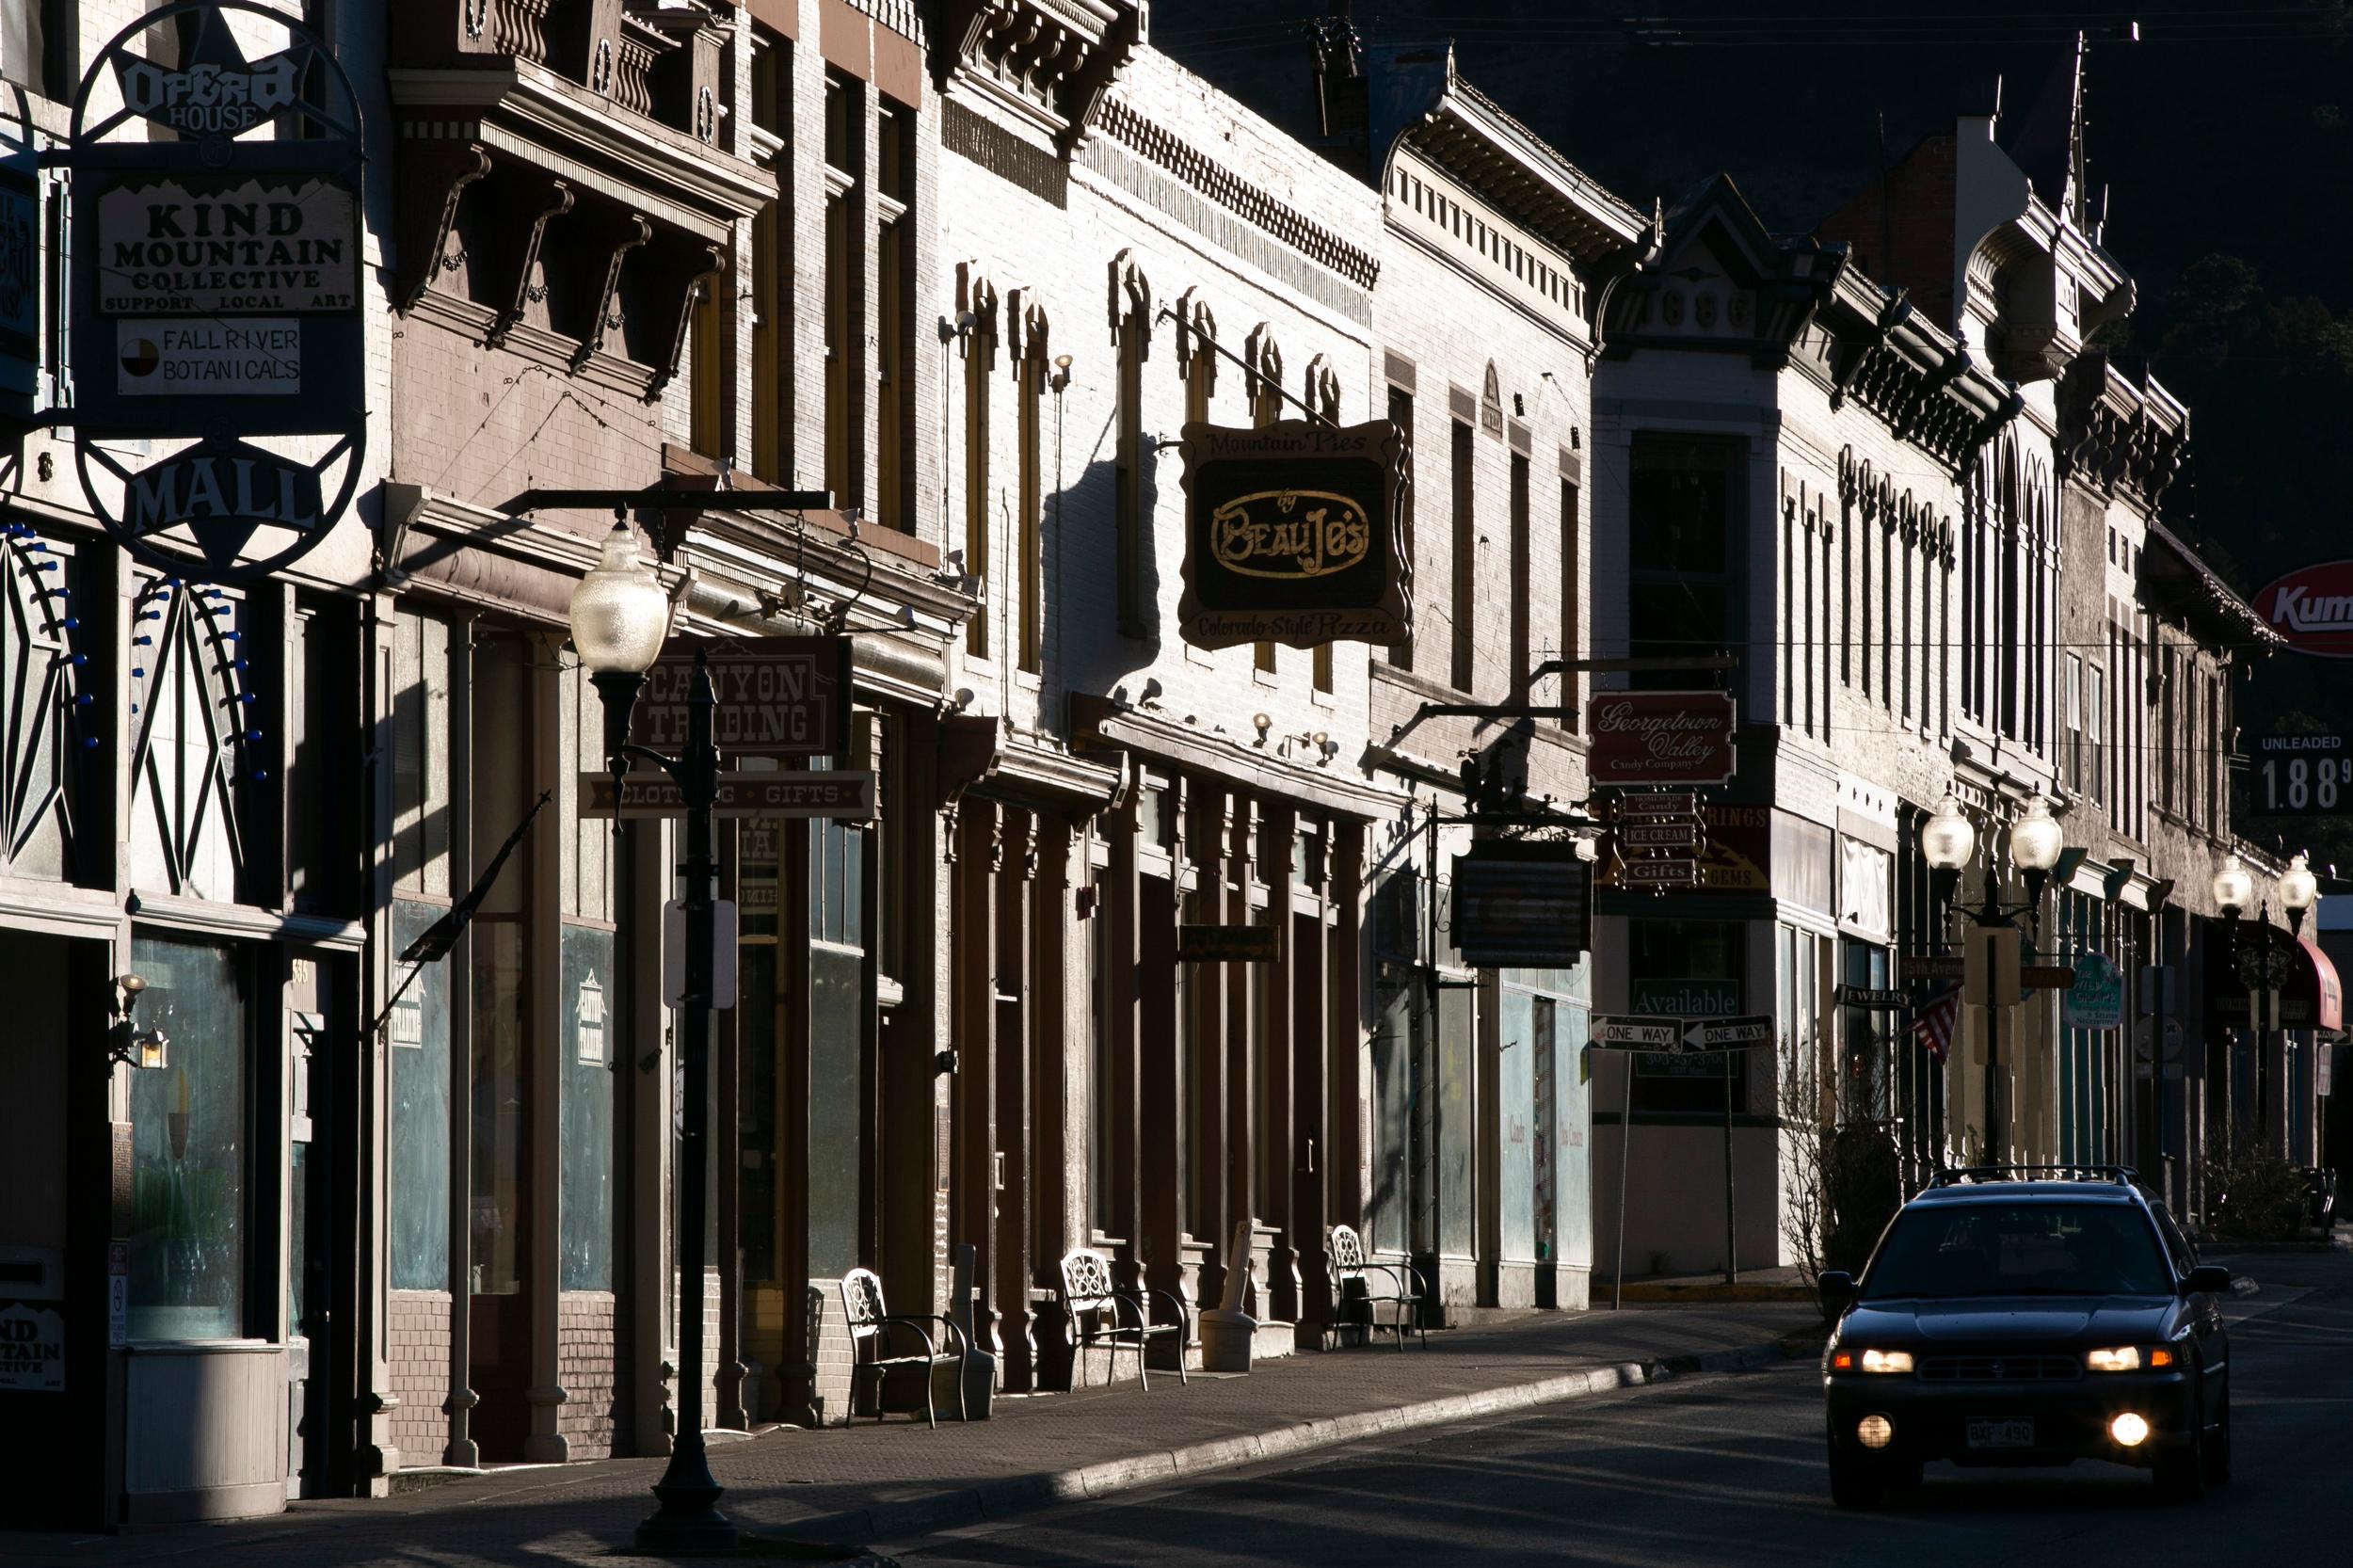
x=216, y=288
x=1291, y=535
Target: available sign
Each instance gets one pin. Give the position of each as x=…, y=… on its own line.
x=2312, y=609
x=778, y=697
x=1660, y=737
x=1292, y=535
x=189, y=357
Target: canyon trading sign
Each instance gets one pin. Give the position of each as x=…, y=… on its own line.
x=215, y=291
x=2312, y=609
x=1670, y=738
x=1293, y=536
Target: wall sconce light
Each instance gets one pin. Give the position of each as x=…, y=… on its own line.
x=125, y=1041
x=1060, y=377
x=1262, y=723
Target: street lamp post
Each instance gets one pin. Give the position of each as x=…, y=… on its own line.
x=1948, y=841
x=2233, y=890
x=620, y=616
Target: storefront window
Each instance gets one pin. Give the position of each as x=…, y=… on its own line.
x=1393, y=1052
x=585, y=1109
x=501, y=1105
x=1457, y=1132
x=1686, y=970
x=837, y=1038
x=418, y=1035
x=1523, y=1038
x=189, y=1131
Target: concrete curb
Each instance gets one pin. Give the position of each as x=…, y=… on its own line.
x=901, y=1518
x=1652, y=1294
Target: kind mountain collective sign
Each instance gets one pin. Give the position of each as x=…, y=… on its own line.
x=1291, y=535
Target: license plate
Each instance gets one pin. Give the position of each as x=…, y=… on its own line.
x=2001, y=1435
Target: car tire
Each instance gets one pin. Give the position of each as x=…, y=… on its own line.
x=1853, y=1483
x=2218, y=1443
x=2180, y=1473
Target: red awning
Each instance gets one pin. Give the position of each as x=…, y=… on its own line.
x=2328, y=991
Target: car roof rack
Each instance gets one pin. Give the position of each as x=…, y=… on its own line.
x=1956, y=1175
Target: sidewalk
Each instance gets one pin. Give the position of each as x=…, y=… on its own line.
x=889, y=1481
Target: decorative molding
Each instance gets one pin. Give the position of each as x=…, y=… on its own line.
x=1126, y=124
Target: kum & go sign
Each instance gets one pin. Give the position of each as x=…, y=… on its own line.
x=1644, y=738
x=2313, y=608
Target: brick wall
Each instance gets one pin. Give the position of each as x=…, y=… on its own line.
x=417, y=1353
x=590, y=1358
x=485, y=425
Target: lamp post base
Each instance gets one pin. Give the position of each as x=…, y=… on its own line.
x=688, y=1523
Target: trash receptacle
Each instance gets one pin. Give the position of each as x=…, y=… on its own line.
x=1227, y=1340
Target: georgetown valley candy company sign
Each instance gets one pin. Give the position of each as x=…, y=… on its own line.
x=1660, y=737
x=1291, y=535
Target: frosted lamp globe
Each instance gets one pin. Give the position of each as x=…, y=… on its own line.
x=2298, y=887
x=1946, y=839
x=2233, y=888
x=620, y=615
x=2036, y=838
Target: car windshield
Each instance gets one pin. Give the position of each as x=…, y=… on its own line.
x=2010, y=1249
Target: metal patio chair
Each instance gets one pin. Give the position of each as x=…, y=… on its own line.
x=1358, y=1281
x=1115, y=1320
x=871, y=1327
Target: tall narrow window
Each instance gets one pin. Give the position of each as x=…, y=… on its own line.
x=1684, y=558
x=1401, y=415
x=2168, y=758
x=37, y=45
x=1030, y=380
x=1865, y=521
x=1463, y=670
x=1266, y=406
x=1888, y=610
x=1788, y=615
x=894, y=352
x=1846, y=595
x=1131, y=537
x=1572, y=600
x=845, y=257
x=980, y=352
x=707, y=400
x=772, y=262
x=1523, y=585
x=2095, y=735
x=1805, y=649
x=2071, y=744
x=1909, y=571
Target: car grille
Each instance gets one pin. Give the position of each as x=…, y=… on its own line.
x=2000, y=1369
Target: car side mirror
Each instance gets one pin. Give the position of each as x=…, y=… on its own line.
x=1837, y=1290
x=2208, y=1279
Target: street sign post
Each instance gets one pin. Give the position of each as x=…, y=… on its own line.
x=1742, y=1033
x=1624, y=1033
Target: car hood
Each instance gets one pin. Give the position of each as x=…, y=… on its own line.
x=2011, y=1320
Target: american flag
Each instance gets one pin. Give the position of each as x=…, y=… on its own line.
x=1934, y=1026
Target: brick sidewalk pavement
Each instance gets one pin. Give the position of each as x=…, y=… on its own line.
x=873, y=1481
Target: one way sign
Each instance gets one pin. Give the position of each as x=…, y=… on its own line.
x=1756, y=1029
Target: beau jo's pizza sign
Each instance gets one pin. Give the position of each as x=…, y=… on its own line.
x=1643, y=738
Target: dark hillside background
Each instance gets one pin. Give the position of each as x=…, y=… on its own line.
x=2224, y=136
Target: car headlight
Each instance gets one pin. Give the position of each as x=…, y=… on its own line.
x=2127, y=1358
x=1887, y=1361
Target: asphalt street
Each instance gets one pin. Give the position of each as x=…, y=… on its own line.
x=1728, y=1470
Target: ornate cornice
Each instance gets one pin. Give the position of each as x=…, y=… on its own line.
x=2120, y=436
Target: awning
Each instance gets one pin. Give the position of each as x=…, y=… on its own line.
x=2328, y=991
x=2311, y=995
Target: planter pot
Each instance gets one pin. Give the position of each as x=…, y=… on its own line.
x=1226, y=1339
